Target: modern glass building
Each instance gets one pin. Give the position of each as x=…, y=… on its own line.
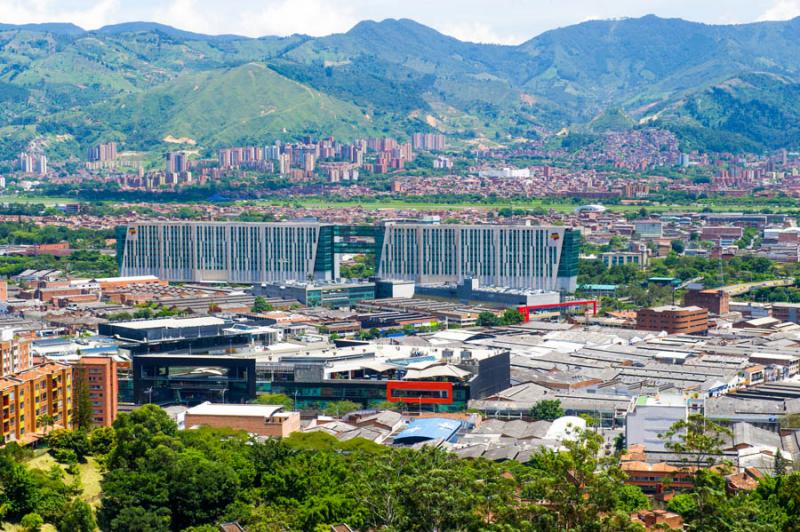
x=516, y=256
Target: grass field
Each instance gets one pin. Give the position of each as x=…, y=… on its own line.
x=89, y=474
x=48, y=201
x=558, y=205
x=564, y=206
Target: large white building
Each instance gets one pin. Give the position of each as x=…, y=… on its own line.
x=524, y=257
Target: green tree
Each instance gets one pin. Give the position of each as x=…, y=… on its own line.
x=137, y=519
x=697, y=441
x=547, y=410
x=579, y=484
x=192, y=506
x=632, y=499
x=338, y=408
x=82, y=402
x=261, y=305
x=78, y=517
x=512, y=316
x=488, y=319
x=275, y=399
x=32, y=522
x=47, y=420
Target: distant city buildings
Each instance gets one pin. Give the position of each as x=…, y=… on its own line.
x=106, y=152
x=429, y=141
x=32, y=163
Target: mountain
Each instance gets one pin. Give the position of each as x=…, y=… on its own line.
x=728, y=87
x=138, y=27
x=248, y=103
x=754, y=111
x=55, y=28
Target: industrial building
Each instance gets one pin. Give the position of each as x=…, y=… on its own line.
x=514, y=256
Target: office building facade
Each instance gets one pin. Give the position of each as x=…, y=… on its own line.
x=514, y=256
x=524, y=257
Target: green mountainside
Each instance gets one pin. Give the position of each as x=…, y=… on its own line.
x=719, y=87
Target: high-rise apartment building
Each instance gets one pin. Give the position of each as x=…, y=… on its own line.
x=99, y=375
x=32, y=163
x=106, y=152
x=35, y=400
x=429, y=141
x=15, y=352
x=520, y=256
x=177, y=162
x=32, y=398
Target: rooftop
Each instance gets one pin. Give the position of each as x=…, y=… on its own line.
x=234, y=410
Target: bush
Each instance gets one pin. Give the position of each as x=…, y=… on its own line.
x=32, y=522
x=64, y=456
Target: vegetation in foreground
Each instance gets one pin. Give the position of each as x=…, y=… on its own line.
x=157, y=478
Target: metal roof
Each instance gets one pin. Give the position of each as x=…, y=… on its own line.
x=427, y=429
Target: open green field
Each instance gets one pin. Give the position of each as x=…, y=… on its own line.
x=89, y=474
x=559, y=206
x=565, y=205
x=48, y=201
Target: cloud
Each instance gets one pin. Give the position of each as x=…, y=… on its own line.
x=185, y=15
x=89, y=15
x=782, y=10
x=479, y=32
x=285, y=17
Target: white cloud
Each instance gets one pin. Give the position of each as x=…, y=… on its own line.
x=285, y=17
x=185, y=15
x=479, y=32
x=91, y=16
x=782, y=10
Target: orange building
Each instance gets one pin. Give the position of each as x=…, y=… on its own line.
x=264, y=420
x=716, y=301
x=15, y=352
x=99, y=374
x=673, y=320
x=28, y=395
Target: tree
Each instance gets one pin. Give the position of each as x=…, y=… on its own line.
x=547, y=410
x=678, y=246
x=337, y=408
x=137, y=519
x=275, y=399
x=512, y=316
x=32, y=522
x=78, y=517
x=101, y=440
x=82, y=402
x=579, y=484
x=69, y=443
x=192, y=506
x=47, y=420
x=696, y=440
x=261, y=305
x=488, y=319
x=632, y=499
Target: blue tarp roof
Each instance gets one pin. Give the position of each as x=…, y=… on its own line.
x=425, y=429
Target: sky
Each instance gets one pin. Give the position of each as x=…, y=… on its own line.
x=494, y=21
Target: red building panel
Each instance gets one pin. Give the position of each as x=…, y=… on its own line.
x=420, y=392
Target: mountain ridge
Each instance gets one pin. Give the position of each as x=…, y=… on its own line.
x=58, y=79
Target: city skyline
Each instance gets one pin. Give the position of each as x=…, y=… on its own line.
x=508, y=22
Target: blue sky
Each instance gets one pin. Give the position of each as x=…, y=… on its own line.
x=500, y=21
